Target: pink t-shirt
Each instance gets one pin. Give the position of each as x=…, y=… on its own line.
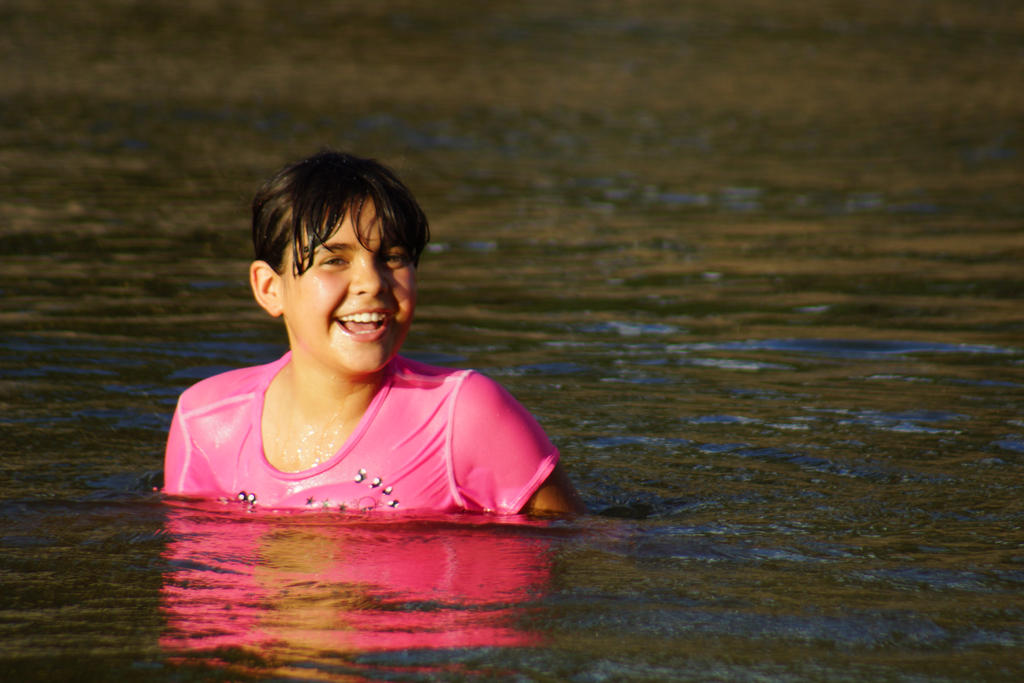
x=432, y=439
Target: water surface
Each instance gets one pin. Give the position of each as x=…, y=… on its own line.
x=755, y=267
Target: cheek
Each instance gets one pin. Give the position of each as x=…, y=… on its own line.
x=405, y=286
x=324, y=288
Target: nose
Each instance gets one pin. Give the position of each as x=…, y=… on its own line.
x=370, y=276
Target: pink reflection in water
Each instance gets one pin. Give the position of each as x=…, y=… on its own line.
x=302, y=583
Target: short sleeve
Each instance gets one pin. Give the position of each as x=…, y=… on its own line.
x=186, y=470
x=176, y=455
x=500, y=454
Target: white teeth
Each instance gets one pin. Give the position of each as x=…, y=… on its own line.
x=363, y=318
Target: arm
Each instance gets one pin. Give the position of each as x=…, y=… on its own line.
x=176, y=455
x=502, y=459
x=556, y=496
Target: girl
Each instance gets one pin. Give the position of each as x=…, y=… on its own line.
x=342, y=421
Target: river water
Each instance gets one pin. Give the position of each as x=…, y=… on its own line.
x=755, y=266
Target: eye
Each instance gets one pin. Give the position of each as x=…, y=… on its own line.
x=333, y=260
x=397, y=258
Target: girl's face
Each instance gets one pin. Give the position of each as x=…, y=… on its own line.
x=351, y=310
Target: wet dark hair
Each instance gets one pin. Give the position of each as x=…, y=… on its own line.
x=306, y=202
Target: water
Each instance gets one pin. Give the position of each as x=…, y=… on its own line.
x=755, y=267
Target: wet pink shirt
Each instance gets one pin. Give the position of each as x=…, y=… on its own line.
x=432, y=439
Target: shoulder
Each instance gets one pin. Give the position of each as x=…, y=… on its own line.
x=422, y=383
x=211, y=422
x=407, y=371
x=228, y=387
x=473, y=392
x=481, y=395
x=500, y=453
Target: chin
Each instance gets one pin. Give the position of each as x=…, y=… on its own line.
x=367, y=366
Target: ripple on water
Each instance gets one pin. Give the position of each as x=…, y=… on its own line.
x=845, y=348
x=868, y=470
x=930, y=578
x=910, y=421
x=851, y=629
x=630, y=329
x=546, y=369
x=647, y=441
x=741, y=365
x=1012, y=442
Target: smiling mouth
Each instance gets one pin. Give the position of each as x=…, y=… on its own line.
x=363, y=323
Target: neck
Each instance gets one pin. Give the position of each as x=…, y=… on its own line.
x=309, y=413
x=318, y=394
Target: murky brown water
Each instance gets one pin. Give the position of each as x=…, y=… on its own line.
x=755, y=267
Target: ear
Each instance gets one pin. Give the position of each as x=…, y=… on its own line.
x=266, y=287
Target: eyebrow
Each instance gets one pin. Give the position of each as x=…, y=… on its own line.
x=335, y=247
